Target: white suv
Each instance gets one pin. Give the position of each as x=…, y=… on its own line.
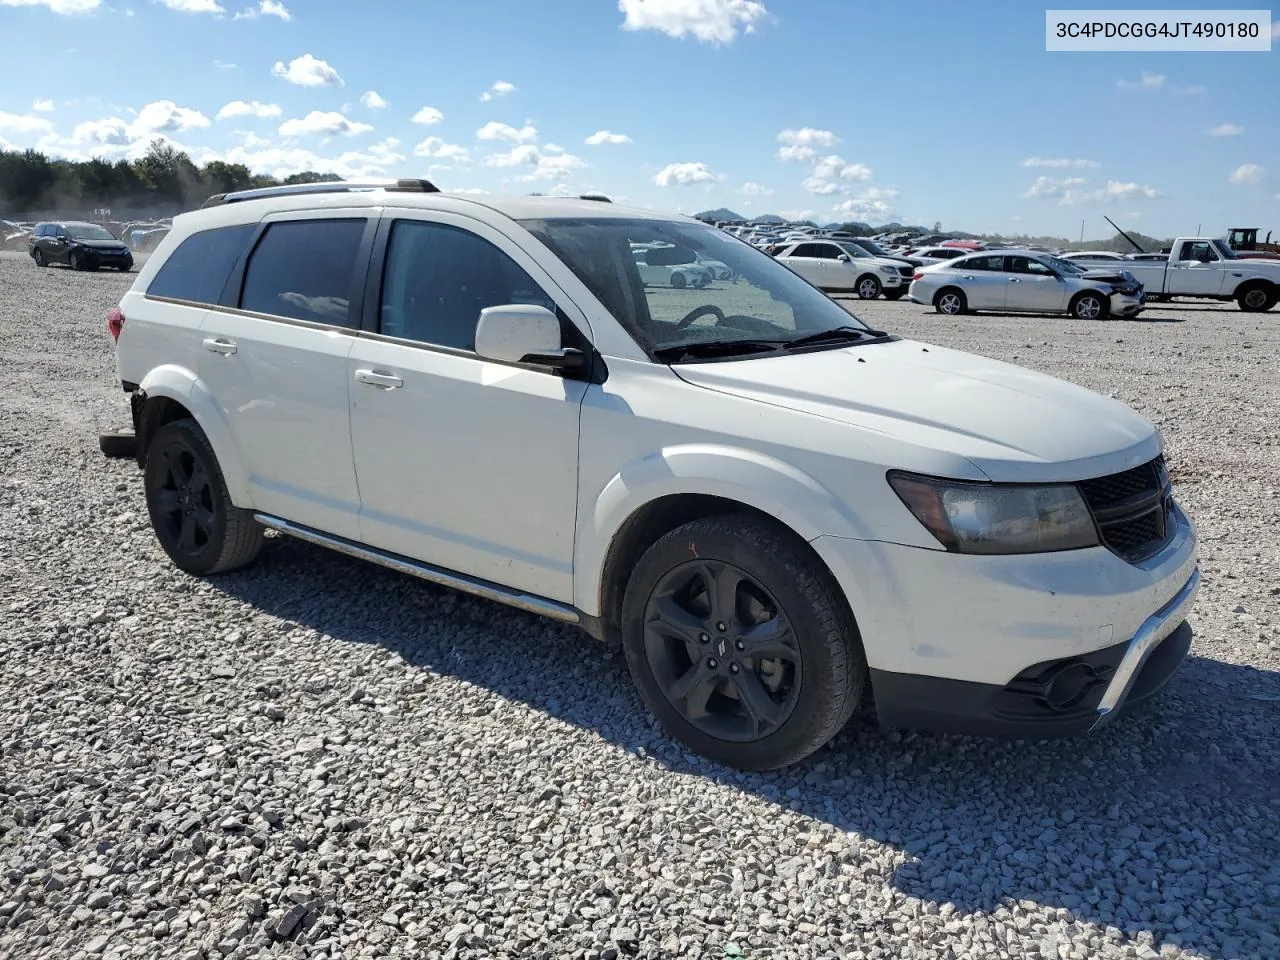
x=775, y=509
x=841, y=265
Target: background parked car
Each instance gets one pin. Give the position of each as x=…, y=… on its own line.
x=82, y=246
x=655, y=273
x=1026, y=281
x=842, y=266
x=928, y=256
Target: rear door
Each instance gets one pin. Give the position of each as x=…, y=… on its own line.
x=984, y=279
x=806, y=260
x=274, y=356
x=1034, y=287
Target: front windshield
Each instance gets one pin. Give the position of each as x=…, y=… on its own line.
x=663, y=305
x=855, y=251
x=874, y=248
x=1064, y=266
x=89, y=231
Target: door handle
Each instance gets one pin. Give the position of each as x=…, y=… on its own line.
x=218, y=345
x=373, y=378
x=1014, y=280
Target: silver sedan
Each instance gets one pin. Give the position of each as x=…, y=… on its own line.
x=1024, y=281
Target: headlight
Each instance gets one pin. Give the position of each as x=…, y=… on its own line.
x=890, y=270
x=992, y=518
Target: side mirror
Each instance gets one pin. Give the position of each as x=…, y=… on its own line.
x=524, y=333
x=845, y=258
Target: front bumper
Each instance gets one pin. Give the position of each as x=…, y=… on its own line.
x=1027, y=646
x=1126, y=305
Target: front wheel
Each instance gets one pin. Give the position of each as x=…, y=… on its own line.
x=76, y=261
x=740, y=642
x=868, y=287
x=1089, y=306
x=1256, y=299
x=191, y=511
x=678, y=281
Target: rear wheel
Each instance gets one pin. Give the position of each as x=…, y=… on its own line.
x=951, y=301
x=678, y=281
x=740, y=642
x=867, y=287
x=1089, y=306
x=1257, y=298
x=191, y=511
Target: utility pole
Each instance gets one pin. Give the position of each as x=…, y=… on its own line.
x=1082, y=230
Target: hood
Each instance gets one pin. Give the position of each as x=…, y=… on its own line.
x=1010, y=422
x=100, y=244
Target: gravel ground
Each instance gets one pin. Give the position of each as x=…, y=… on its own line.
x=318, y=758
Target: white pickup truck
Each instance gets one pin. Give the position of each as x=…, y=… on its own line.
x=1209, y=268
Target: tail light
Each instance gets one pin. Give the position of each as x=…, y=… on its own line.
x=115, y=322
x=919, y=275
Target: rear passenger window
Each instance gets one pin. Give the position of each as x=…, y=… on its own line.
x=198, y=269
x=438, y=278
x=305, y=270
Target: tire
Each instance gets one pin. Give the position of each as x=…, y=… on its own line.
x=809, y=690
x=1090, y=306
x=1256, y=298
x=118, y=444
x=182, y=475
x=867, y=287
x=951, y=301
x=75, y=261
x=678, y=281
x=894, y=294
x=38, y=257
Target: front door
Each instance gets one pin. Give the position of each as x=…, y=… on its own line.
x=1198, y=272
x=462, y=462
x=276, y=364
x=1033, y=287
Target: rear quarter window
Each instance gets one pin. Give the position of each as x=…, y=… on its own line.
x=198, y=269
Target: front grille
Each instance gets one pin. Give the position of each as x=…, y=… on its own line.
x=1133, y=510
x=907, y=271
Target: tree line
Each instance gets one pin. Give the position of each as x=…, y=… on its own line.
x=164, y=177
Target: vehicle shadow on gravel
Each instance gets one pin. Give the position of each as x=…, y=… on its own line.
x=1162, y=825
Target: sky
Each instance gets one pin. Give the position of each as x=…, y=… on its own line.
x=827, y=109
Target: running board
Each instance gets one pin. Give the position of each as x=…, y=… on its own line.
x=425, y=571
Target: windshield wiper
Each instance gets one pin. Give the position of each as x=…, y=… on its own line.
x=716, y=348
x=836, y=335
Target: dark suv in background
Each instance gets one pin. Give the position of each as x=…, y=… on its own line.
x=82, y=246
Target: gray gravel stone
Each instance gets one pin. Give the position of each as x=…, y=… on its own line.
x=299, y=750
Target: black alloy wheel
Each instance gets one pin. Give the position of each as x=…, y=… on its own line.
x=722, y=650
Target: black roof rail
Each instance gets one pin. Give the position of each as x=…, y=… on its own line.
x=600, y=197
x=328, y=186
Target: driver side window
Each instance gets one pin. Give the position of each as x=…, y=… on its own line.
x=1199, y=251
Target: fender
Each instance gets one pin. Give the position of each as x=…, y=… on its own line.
x=746, y=476
x=180, y=384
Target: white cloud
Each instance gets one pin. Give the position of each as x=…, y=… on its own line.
x=553, y=167
x=65, y=7
x=809, y=137
x=373, y=100
x=42, y=106
x=753, y=189
x=515, y=157
x=1225, y=130
x=282, y=161
x=1060, y=163
x=821, y=187
x=165, y=116
x=797, y=214
x=1275, y=30
x=1148, y=81
x=1052, y=187
x=499, y=88
x=194, y=6
x=248, y=108
x=1115, y=190
x=683, y=174
x=428, y=116
x=323, y=123
x=307, y=71
x=1068, y=191
x=435, y=147
x=796, y=153
x=223, y=65
x=265, y=8
x=493, y=130
x=834, y=166
x=711, y=21
x=874, y=203
x=1247, y=173
x=20, y=123
x=605, y=136
x=1190, y=91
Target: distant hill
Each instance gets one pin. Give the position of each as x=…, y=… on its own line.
x=768, y=218
x=721, y=213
